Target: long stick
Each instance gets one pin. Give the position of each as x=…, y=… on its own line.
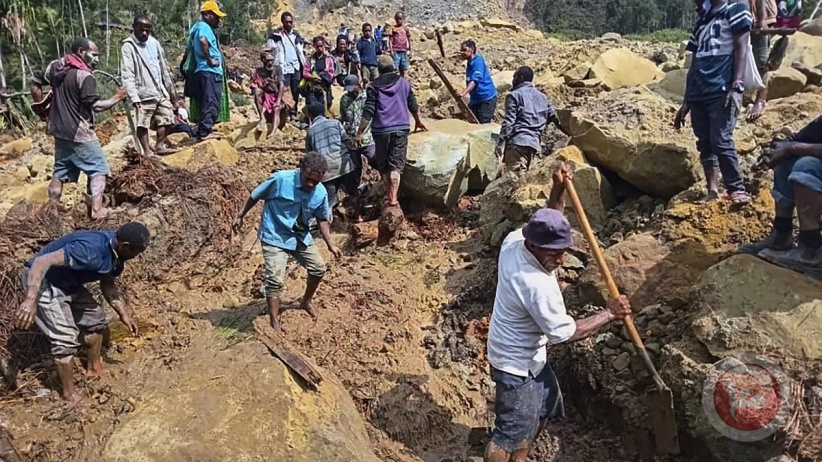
x=593, y=243
x=466, y=111
x=815, y=10
x=82, y=18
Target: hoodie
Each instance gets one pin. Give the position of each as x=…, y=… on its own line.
x=388, y=100
x=144, y=70
x=74, y=92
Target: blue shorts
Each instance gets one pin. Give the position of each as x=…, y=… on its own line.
x=71, y=158
x=401, y=60
x=522, y=404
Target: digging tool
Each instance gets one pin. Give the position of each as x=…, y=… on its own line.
x=661, y=399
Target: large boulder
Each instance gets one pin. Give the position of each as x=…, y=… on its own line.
x=645, y=270
x=204, y=154
x=621, y=67
x=213, y=409
x=749, y=305
x=629, y=131
x=803, y=48
x=785, y=82
x=510, y=201
x=450, y=159
x=813, y=28
x=496, y=23
x=672, y=85
x=813, y=74
x=502, y=80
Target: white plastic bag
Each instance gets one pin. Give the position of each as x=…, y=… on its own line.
x=752, y=80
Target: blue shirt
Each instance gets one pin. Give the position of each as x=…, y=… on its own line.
x=201, y=29
x=712, y=44
x=288, y=209
x=89, y=257
x=477, y=71
x=378, y=34
x=368, y=50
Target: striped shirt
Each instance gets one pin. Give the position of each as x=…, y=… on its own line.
x=328, y=137
x=712, y=44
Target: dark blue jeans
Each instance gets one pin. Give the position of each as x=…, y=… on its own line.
x=210, y=87
x=713, y=124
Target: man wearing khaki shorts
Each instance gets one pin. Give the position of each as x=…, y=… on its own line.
x=292, y=199
x=149, y=85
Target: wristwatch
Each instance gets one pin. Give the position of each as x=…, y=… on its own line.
x=738, y=86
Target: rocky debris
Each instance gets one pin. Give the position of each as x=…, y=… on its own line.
x=645, y=270
x=785, y=82
x=629, y=132
x=620, y=67
x=672, y=85
x=510, y=201
x=587, y=83
x=15, y=149
x=576, y=72
x=217, y=414
x=813, y=74
x=669, y=66
x=453, y=157
x=204, y=154
x=499, y=24
x=777, y=309
x=611, y=37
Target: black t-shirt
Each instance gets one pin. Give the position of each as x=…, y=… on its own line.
x=74, y=93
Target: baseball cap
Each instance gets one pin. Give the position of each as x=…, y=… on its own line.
x=212, y=7
x=548, y=229
x=351, y=82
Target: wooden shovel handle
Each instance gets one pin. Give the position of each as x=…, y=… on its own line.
x=593, y=243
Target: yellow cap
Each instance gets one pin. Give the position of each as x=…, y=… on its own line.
x=212, y=7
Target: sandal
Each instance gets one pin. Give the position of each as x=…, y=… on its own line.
x=739, y=197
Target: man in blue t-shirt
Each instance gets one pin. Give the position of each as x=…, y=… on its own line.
x=713, y=92
x=58, y=302
x=292, y=199
x=208, y=74
x=478, y=83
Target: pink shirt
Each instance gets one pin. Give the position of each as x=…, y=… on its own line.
x=400, y=38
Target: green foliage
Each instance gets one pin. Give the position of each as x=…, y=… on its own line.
x=576, y=19
x=239, y=100
x=662, y=35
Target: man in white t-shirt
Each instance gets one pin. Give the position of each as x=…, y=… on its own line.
x=529, y=313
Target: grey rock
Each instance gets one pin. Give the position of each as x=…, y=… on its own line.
x=621, y=362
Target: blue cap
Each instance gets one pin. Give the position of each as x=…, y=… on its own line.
x=548, y=229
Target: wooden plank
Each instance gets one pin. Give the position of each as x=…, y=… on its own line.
x=469, y=116
x=439, y=41
x=279, y=347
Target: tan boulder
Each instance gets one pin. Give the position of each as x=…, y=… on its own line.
x=621, y=67
x=508, y=202
x=803, y=48
x=533, y=34
x=204, y=154
x=813, y=28
x=645, y=270
x=672, y=85
x=576, y=72
x=785, y=82
x=213, y=409
x=497, y=23
x=630, y=133
x=450, y=159
x=16, y=148
x=813, y=74
x=611, y=37
x=750, y=305
x=502, y=80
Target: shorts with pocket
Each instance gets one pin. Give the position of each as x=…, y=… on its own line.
x=390, y=151
x=401, y=60
x=276, y=265
x=71, y=158
x=62, y=316
x=522, y=404
x=155, y=113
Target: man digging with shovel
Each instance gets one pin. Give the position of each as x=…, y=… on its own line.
x=529, y=313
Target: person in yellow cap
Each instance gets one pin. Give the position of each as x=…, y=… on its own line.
x=208, y=68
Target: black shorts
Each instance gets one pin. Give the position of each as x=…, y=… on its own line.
x=350, y=183
x=485, y=110
x=390, y=151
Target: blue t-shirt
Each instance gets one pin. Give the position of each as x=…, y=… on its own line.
x=477, y=71
x=712, y=44
x=89, y=257
x=201, y=29
x=288, y=209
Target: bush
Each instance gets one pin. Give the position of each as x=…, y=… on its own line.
x=239, y=100
x=664, y=35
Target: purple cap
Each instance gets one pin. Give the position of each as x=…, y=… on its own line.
x=548, y=229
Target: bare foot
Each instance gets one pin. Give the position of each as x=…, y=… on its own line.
x=164, y=151
x=97, y=371
x=309, y=308
x=72, y=400
x=710, y=197
x=275, y=325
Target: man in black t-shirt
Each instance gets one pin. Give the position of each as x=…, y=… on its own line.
x=74, y=100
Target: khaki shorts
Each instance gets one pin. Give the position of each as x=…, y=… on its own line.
x=518, y=159
x=153, y=114
x=276, y=266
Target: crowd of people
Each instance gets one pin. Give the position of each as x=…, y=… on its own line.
x=373, y=129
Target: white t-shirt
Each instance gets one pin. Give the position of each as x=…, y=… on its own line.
x=529, y=311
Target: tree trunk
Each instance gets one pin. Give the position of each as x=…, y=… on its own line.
x=108, y=34
x=82, y=18
x=2, y=70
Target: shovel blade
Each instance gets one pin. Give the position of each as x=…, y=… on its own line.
x=663, y=421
